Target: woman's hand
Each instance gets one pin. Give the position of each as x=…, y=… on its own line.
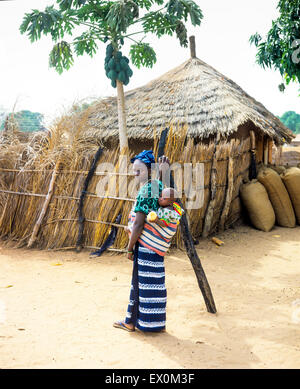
x=164, y=166
x=130, y=255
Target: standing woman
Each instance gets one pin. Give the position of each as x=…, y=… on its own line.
x=148, y=296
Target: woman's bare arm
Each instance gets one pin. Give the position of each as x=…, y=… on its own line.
x=137, y=229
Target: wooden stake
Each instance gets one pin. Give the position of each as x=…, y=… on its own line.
x=266, y=150
x=228, y=193
x=270, y=147
x=213, y=189
x=45, y=206
x=252, y=138
x=192, y=46
x=81, y=218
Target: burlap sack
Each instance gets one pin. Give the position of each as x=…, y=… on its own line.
x=278, y=196
x=291, y=180
x=278, y=169
x=256, y=200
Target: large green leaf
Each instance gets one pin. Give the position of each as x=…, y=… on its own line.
x=61, y=57
x=85, y=43
x=121, y=14
x=51, y=21
x=142, y=55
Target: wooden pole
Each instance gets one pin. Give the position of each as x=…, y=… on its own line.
x=81, y=218
x=260, y=149
x=266, y=149
x=228, y=192
x=213, y=190
x=192, y=46
x=270, y=150
x=189, y=245
x=253, y=168
x=252, y=139
x=45, y=206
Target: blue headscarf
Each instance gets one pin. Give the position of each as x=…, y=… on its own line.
x=145, y=156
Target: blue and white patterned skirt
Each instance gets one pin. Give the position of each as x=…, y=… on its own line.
x=148, y=294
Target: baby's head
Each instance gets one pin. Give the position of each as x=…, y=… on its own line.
x=168, y=196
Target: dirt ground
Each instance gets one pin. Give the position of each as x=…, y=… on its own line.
x=57, y=308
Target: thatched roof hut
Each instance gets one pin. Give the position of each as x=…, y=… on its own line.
x=193, y=93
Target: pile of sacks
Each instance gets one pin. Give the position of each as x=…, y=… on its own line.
x=274, y=197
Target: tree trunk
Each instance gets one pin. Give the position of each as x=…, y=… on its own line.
x=121, y=117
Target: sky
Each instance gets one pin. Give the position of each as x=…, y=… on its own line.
x=222, y=41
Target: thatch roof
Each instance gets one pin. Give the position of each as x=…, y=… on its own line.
x=193, y=93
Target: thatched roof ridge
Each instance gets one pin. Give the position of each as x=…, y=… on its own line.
x=193, y=93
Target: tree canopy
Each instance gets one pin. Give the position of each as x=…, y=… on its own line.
x=292, y=120
x=280, y=49
x=109, y=21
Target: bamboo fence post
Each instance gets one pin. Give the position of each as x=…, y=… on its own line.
x=252, y=169
x=228, y=192
x=252, y=139
x=45, y=206
x=189, y=244
x=81, y=217
x=260, y=148
x=213, y=191
x=270, y=149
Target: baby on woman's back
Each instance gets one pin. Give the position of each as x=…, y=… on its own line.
x=160, y=226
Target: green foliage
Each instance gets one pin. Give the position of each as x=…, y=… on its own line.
x=61, y=57
x=108, y=21
x=51, y=21
x=27, y=121
x=281, y=47
x=85, y=43
x=121, y=15
x=292, y=120
x=142, y=54
x=182, y=8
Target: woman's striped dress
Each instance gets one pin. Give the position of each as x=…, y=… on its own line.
x=148, y=294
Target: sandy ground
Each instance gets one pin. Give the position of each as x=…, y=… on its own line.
x=57, y=308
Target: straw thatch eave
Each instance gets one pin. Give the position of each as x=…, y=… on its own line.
x=194, y=94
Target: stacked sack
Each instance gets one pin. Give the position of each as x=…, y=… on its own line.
x=273, y=197
x=257, y=202
x=291, y=180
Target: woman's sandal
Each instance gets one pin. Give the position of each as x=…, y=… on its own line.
x=120, y=324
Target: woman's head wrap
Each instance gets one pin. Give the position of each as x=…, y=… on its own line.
x=146, y=157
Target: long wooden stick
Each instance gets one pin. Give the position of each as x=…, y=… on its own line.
x=45, y=206
x=213, y=189
x=229, y=191
x=81, y=218
x=266, y=151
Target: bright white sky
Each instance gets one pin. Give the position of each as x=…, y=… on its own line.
x=221, y=41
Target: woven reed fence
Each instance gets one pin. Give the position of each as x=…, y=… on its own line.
x=41, y=184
